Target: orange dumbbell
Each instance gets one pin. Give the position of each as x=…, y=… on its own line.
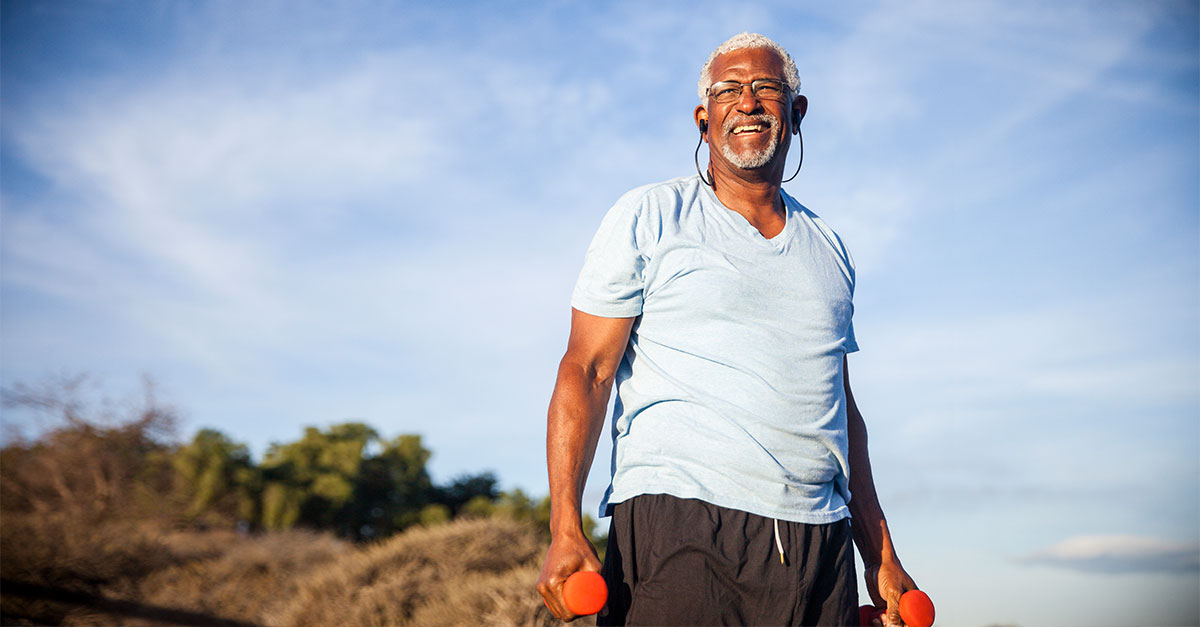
x=585, y=593
x=916, y=610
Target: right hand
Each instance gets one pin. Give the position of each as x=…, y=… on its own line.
x=568, y=554
x=887, y=582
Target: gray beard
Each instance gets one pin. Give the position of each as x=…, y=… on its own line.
x=758, y=158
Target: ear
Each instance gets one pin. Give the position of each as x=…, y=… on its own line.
x=700, y=115
x=799, y=108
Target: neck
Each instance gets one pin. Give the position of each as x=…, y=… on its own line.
x=755, y=197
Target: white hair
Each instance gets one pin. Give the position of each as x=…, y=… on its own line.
x=739, y=42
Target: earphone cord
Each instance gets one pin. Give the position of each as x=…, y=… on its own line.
x=708, y=182
x=800, y=138
x=697, y=159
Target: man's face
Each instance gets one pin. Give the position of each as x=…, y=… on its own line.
x=748, y=132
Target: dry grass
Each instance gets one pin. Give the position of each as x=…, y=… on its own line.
x=58, y=551
x=252, y=580
x=86, y=540
x=57, y=571
x=50, y=559
x=468, y=572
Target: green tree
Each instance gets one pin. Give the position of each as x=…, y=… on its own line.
x=215, y=478
x=311, y=481
x=434, y=514
x=329, y=479
x=467, y=489
x=394, y=488
x=517, y=505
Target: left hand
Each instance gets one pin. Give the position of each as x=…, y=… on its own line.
x=885, y=583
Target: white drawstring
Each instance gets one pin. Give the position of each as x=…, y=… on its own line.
x=778, y=542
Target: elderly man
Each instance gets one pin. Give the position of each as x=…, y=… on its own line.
x=721, y=308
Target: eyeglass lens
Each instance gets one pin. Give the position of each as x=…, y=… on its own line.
x=763, y=88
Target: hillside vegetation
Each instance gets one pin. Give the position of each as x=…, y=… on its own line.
x=105, y=519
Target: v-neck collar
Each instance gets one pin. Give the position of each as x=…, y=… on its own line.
x=742, y=225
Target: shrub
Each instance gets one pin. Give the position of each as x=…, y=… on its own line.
x=466, y=572
x=250, y=581
x=53, y=558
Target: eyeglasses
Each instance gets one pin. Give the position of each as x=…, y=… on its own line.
x=763, y=89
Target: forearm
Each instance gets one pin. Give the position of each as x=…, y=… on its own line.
x=885, y=577
x=870, y=529
x=574, y=422
x=573, y=425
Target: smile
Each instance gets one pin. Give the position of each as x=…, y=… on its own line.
x=749, y=124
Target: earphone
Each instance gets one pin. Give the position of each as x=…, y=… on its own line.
x=796, y=118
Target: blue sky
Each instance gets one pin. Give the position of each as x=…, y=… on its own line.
x=294, y=213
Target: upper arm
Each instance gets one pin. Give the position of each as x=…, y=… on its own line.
x=852, y=413
x=846, y=379
x=596, y=344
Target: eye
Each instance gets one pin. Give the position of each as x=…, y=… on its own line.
x=726, y=90
x=768, y=90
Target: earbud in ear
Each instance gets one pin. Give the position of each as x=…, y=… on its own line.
x=703, y=126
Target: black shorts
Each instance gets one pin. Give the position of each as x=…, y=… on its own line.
x=673, y=561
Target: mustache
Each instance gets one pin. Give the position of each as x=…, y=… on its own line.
x=766, y=119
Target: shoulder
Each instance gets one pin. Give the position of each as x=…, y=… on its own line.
x=654, y=209
x=659, y=198
x=820, y=227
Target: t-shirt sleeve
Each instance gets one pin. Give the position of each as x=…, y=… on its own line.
x=851, y=344
x=612, y=281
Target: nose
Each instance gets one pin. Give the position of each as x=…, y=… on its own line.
x=747, y=102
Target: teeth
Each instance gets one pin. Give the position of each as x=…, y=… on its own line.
x=743, y=129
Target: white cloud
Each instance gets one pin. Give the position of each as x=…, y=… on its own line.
x=931, y=104
x=288, y=235
x=1056, y=352
x=220, y=190
x=1019, y=61
x=868, y=215
x=1116, y=554
x=310, y=246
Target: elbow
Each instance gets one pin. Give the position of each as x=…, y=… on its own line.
x=856, y=429
x=854, y=420
x=591, y=374
x=598, y=380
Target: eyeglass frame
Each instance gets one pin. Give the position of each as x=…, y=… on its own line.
x=784, y=90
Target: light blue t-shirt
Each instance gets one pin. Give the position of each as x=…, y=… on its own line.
x=730, y=390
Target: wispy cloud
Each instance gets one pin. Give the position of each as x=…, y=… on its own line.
x=299, y=213
x=390, y=236
x=1119, y=554
x=204, y=185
